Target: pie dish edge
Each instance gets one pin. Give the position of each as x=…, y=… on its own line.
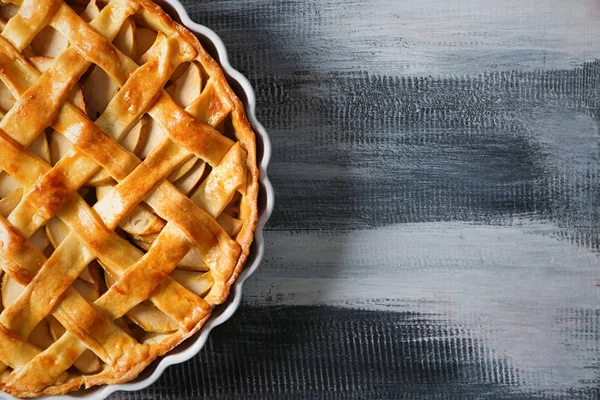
x=252, y=245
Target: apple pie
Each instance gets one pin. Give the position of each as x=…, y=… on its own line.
x=128, y=191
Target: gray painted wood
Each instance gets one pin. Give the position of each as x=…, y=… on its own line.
x=436, y=166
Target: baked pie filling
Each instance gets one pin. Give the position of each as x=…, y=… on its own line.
x=128, y=191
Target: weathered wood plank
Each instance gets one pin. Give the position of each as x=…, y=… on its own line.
x=400, y=38
x=328, y=353
x=358, y=151
x=532, y=294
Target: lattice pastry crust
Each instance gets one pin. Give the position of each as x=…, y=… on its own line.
x=128, y=191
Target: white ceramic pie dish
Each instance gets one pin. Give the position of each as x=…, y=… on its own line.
x=191, y=347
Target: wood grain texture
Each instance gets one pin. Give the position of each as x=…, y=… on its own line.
x=437, y=172
x=330, y=353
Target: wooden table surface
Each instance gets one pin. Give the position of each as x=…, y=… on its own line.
x=436, y=230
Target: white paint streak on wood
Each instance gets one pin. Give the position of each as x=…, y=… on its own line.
x=518, y=286
x=428, y=37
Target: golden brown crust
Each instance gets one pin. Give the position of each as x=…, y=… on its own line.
x=245, y=133
x=123, y=367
